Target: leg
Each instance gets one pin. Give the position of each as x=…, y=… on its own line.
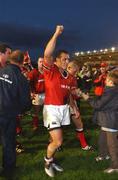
x=18, y=124
x=79, y=131
x=35, y=118
x=112, y=141
x=102, y=144
x=9, y=143
x=57, y=139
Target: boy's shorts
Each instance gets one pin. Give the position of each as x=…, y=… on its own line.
x=56, y=116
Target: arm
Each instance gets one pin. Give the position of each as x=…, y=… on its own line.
x=98, y=103
x=73, y=106
x=100, y=79
x=24, y=94
x=79, y=93
x=101, y=103
x=51, y=45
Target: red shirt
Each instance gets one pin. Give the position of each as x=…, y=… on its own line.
x=39, y=86
x=36, y=80
x=99, y=83
x=57, y=87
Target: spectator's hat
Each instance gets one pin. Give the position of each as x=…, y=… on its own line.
x=103, y=64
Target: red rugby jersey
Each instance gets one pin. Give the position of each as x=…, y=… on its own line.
x=57, y=87
x=39, y=86
x=36, y=81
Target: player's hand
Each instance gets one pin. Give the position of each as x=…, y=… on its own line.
x=76, y=112
x=59, y=29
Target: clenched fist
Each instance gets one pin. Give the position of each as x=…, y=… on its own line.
x=59, y=29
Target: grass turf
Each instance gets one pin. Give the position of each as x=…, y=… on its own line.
x=77, y=164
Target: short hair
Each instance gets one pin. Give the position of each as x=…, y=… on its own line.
x=59, y=52
x=16, y=56
x=3, y=47
x=74, y=63
x=113, y=75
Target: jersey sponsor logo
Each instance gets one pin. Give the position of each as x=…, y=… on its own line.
x=5, y=78
x=40, y=80
x=65, y=86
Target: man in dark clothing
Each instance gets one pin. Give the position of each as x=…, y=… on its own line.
x=14, y=99
x=5, y=51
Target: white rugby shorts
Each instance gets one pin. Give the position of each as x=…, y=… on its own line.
x=56, y=116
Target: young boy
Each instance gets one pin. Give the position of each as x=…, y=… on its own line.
x=106, y=115
x=73, y=68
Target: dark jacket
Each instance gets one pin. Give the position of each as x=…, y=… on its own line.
x=14, y=91
x=106, y=108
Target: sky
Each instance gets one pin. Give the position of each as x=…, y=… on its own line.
x=88, y=24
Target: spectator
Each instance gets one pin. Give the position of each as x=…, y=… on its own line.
x=86, y=77
x=14, y=99
x=99, y=84
x=99, y=81
x=106, y=115
x=5, y=51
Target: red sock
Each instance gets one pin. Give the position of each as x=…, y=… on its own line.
x=18, y=126
x=35, y=121
x=80, y=136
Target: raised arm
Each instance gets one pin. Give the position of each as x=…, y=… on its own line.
x=51, y=45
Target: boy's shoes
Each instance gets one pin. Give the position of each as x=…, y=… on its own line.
x=87, y=148
x=100, y=158
x=49, y=170
x=110, y=170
